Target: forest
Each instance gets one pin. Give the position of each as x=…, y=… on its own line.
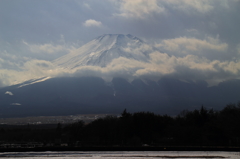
x=190, y=128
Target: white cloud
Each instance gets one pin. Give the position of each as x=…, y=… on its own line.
x=11, y=61
x=213, y=25
x=186, y=46
x=190, y=65
x=6, y=55
x=17, y=68
x=31, y=69
x=16, y=104
x=86, y=5
x=231, y=66
x=139, y=8
x=201, y=6
x=92, y=22
x=9, y=93
x=238, y=48
x=144, y=8
x=161, y=64
x=46, y=48
x=193, y=67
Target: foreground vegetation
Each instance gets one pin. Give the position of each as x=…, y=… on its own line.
x=190, y=128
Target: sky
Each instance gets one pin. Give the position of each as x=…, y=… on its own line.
x=198, y=39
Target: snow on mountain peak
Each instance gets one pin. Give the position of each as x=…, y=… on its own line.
x=102, y=50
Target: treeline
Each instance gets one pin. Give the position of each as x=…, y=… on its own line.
x=190, y=128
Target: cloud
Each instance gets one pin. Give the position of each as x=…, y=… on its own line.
x=9, y=93
x=192, y=44
x=202, y=6
x=142, y=8
x=92, y=22
x=32, y=69
x=139, y=8
x=192, y=67
x=189, y=67
x=186, y=58
x=24, y=61
x=238, y=48
x=15, y=104
x=86, y=5
x=182, y=46
x=46, y=48
x=1, y=84
x=10, y=60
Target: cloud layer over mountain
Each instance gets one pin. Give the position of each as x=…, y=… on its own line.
x=197, y=40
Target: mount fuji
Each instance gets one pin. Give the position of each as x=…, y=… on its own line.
x=102, y=50
x=89, y=94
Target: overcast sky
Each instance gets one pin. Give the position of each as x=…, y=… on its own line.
x=200, y=38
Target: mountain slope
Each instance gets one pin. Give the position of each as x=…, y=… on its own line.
x=102, y=50
x=80, y=95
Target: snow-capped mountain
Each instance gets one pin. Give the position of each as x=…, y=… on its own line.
x=102, y=50
x=91, y=94
x=99, y=52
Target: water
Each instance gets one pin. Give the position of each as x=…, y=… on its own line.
x=121, y=155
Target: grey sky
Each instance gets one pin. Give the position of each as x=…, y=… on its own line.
x=34, y=32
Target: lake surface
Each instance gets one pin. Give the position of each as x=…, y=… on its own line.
x=121, y=155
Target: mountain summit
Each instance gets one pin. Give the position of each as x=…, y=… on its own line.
x=102, y=50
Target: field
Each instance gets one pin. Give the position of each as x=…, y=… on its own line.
x=36, y=120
